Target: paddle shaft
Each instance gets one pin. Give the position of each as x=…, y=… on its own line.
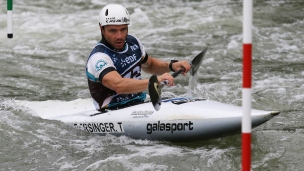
x=195, y=63
x=174, y=75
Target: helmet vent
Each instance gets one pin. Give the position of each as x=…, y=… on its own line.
x=106, y=12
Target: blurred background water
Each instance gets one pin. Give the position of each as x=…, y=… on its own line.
x=44, y=64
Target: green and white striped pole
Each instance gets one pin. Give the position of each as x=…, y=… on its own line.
x=9, y=18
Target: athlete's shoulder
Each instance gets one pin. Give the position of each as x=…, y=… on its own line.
x=101, y=48
x=131, y=38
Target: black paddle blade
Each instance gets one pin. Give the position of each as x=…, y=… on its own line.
x=154, y=89
x=196, y=62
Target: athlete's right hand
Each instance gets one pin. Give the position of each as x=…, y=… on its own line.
x=167, y=78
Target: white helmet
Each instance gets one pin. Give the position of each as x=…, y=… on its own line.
x=113, y=14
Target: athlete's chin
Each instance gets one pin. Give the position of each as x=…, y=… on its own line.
x=119, y=46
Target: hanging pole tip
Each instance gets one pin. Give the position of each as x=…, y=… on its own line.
x=9, y=18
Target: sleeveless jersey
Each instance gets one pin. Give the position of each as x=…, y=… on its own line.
x=127, y=63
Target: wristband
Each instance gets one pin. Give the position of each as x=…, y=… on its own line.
x=170, y=65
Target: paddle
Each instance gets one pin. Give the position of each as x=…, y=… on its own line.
x=154, y=87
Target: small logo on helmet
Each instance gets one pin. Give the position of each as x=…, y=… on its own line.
x=100, y=64
x=114, y=20
x=125, y=20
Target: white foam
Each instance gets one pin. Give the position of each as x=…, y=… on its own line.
x=208, y=60
x=140, y=17
x=53, y=108
x=233, y=44
x=299, y=97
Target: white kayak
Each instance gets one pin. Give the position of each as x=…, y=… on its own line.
x=177, y=120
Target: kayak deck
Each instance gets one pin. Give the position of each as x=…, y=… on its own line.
x=186, y=121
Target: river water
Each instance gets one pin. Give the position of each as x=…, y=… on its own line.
x=43, y=66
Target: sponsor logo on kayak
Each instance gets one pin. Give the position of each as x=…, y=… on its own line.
x=142, y=113
x=106, y=127
x=170, y=127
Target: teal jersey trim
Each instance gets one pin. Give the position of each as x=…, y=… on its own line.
x=91, y=77
x=142, y=97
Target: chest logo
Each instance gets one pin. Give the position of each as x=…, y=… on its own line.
x=134, y=47
x=128, y=60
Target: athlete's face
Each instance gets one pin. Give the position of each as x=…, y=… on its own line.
x=115, y=35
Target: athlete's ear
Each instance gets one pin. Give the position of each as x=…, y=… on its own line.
x=101, y=29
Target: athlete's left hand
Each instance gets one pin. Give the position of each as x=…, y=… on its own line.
x=181, y=65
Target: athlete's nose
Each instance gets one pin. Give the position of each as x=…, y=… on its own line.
x=119, y=35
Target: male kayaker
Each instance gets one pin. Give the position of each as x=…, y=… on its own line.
x=114, y=66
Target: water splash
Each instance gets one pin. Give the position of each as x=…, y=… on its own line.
x=193, y=91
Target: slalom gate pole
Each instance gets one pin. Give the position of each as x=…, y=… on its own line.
x=246, y=90
x=9, y=18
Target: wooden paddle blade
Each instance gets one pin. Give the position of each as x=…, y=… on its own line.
x=196, y=62
x=154, y=89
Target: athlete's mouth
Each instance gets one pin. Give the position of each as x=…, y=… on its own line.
x=119, y=44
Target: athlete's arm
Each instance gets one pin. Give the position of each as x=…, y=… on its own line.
x=121, y=85
x=155, y=66
x=158, y=67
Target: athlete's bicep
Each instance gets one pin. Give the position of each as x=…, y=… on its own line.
x=147, y=65
x=112, y=80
